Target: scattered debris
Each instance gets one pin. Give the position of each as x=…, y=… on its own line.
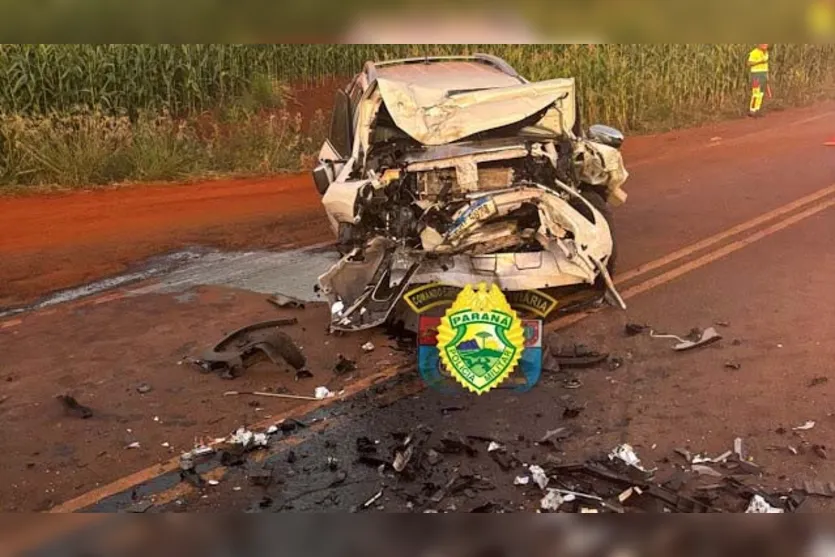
x=344, y=365
x=820, y=450
x=572, y=383
x=736, y=366
x=303, y=374
x=144, y=389
x=433, y=457
x=738, y=450
x=373, y=499
x=695, y=339
x=615, y=363
x=553, y=500
x=539, y=476
x=493, y=446
x=553, y=435
x=576, y=356
x=285, y=302
x=723, y=324
x=243, y=347
x=634, y=329
x=247, y=440
x=805, y=427
x=213, y=483
x=368, y=347
x=401, y=459
x=166, y=445
x=626, y=454
x=703, y=470
x=269, y=395
x=759, y=505
x=134, y=445
x=817, y=381
x=73, y=407
x=521, y=480
x=322, y=393
x=453, y=443
x=272, y=430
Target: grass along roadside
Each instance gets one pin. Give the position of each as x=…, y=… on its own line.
x=90, y=147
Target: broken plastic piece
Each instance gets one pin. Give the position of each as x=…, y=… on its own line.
x=247, y=439
x=493, y=446
x=758, y=505
x=626, y=454
x=708, y=336
x=368, y=346
x=134, y=445
x=552, y=501
x=539, y=476
x=805, y=427
x=521, y=480
x=322, y=393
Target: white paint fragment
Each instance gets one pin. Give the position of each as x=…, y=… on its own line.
x=539, y=476
x=759, y=505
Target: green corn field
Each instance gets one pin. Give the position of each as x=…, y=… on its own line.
x=633, y=86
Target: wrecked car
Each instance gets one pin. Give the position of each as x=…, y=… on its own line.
x=457, y=170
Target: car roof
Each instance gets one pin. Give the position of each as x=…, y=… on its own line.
x=448, y=75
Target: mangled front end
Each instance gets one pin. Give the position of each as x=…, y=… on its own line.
x=498, y=210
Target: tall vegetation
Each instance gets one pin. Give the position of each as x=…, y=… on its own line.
x=97, y=113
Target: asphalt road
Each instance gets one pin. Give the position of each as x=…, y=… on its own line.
x=726, y=226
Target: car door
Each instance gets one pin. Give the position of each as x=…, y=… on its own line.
x=336, y=151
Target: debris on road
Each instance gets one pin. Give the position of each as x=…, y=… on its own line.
x=635, y=329
x=247, y=439
x=626, y=454
x=695, y=339
x=247, y=345
x=759, y=505
x=73, y=408
x=285, y=302
x=574, y=356
x=553, y=500
x=493, y=446
x=817, y=381
x=730, y=364
x=322, y=393
x=539, y=476
x=269, y=395
x=368, y=347
x=344, y=365
x=738, y=450
x=371, y=500
x=304, y=374
x=521, y=480
x=820, y=450
x=572, y=383
x=703, y=470
x=144, y=389
x=615, y=363
x=805, y=427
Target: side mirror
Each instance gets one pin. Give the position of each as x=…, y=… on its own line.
x=606, y=135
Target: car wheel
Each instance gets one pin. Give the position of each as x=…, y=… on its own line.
x=596, y=200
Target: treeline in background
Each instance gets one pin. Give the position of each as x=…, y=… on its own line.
x=77, y=115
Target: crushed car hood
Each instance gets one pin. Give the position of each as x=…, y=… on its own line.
x=437, y=116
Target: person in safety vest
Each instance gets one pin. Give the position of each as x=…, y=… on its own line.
x=758, y=65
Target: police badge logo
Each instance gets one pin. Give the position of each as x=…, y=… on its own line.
x=480, y=338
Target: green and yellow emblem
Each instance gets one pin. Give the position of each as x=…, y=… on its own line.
x=480, y=339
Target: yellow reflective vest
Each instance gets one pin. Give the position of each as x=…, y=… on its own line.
x=759, y=58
